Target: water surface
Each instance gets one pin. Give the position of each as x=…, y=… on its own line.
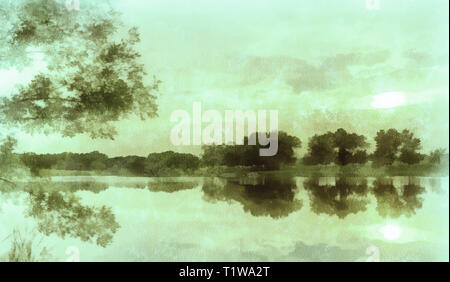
x=217, y=219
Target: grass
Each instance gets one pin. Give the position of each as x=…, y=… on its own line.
x=25, y=248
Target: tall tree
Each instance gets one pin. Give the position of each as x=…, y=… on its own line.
x=89, y=72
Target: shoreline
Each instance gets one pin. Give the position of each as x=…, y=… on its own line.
x=299, y=170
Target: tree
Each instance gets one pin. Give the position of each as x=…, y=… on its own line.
x=213, y=155
x=92, y=75
x=248, y=155
x=285, y=155
x=36, y=162
x=360, y=157
x=410, y=146
x=387, y=146
x=339, y=147
x=8, y=159
x=320, y=150
x=392, y=145
x=286, y=151
x=347, y=144
x=436, y=156
x=157, y=163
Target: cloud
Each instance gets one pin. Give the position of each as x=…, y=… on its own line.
x=331, y=72
x=424, y=59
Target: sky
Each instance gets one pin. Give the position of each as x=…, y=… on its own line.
x=322, y=64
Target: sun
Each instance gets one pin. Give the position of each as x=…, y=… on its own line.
x=391, y=232
x=388, y=100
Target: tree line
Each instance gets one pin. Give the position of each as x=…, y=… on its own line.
x=155, y=164
x=340, y=148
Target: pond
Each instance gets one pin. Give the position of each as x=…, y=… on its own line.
x=224, y=219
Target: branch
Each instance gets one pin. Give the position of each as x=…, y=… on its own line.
x=48, y=98
x=8, y=181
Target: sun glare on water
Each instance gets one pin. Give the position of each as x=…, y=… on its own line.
x=388, y=100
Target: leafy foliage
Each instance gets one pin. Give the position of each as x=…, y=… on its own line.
x=395, y=201
x=63, y=214
x=347, y=196
x=248, y=155
x=339, y=147
x=273, y=197
x=437, y=155
x=392, y=145
x=92, y=77
x=156, y=164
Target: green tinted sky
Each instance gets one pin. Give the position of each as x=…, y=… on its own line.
x=319, y=63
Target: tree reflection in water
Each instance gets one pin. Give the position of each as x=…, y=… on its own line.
x=351, y=195
x=395, y=201
x=170, y=186
x=59, y=211
x=271, y=197
x=347, y=196
x=63, y=214
x=276, y=197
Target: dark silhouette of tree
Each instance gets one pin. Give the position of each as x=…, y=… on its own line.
x=248, y=155
x=360, y=157
x=157, y=163
x=94, y=161
x=410, y=146
x=387, y=146
x=392, y=145
x=35, y=162
x=93, y=75
x=347, y=145
x=286, y=151
x=320, y=150
x=339, y=147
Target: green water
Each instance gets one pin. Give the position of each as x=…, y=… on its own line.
x=215, y=219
